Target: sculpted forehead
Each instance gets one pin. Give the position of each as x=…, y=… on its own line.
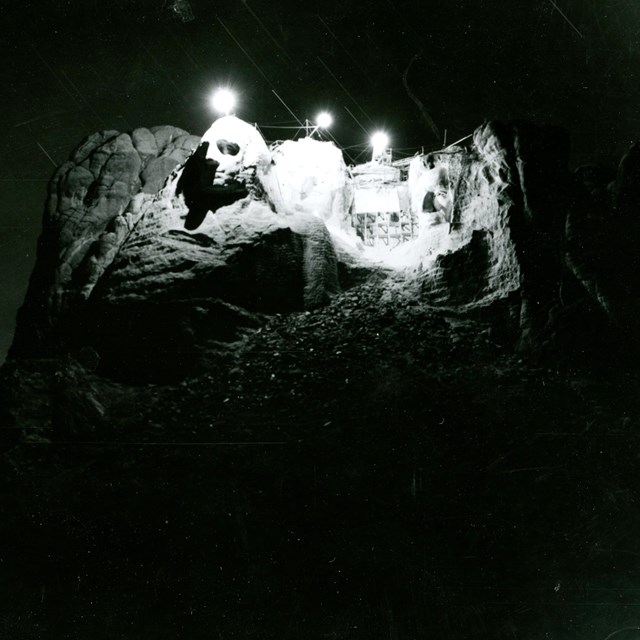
x=234, y=143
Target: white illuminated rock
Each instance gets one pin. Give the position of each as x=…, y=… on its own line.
x=312, y=177
x=237, y=146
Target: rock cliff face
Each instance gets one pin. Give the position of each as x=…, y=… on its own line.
x=602, y=236
x=508, y=218
x=246, y=427
x=121, y=273
x=558, y=250
x=90, y=211
x=170, y=293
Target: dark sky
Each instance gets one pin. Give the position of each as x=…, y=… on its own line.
x=74, y=67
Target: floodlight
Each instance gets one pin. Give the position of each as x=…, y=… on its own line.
x=223, y=101
x=324, y=120
x=379, y=142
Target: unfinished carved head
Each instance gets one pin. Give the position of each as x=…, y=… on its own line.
x=236, y=146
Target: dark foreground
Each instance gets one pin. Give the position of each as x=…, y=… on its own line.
x=371, y=470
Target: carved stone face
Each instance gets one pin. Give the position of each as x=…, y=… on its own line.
x=430, y=188
x=237, y=147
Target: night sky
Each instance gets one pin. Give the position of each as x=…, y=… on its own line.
x=71, y=68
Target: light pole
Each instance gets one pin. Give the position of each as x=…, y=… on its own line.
x=323, y=121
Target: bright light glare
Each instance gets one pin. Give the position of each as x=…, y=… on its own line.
x=223, y=101
x=324, y=120
x=379, y=142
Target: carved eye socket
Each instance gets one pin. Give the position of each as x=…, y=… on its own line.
x=227, y=148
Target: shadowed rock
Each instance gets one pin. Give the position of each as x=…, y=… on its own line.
x=91, y=208
x=196, y=184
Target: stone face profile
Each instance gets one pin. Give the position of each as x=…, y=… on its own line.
x=201, y=195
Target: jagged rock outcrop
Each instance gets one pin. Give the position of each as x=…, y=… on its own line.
x=117, y=259
x=90, y=210
x=602, y=238
x=480, y=265
x=560, y=248
x=505, y=237
x=170, y=292
x=190, y=463
x=557, y=249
